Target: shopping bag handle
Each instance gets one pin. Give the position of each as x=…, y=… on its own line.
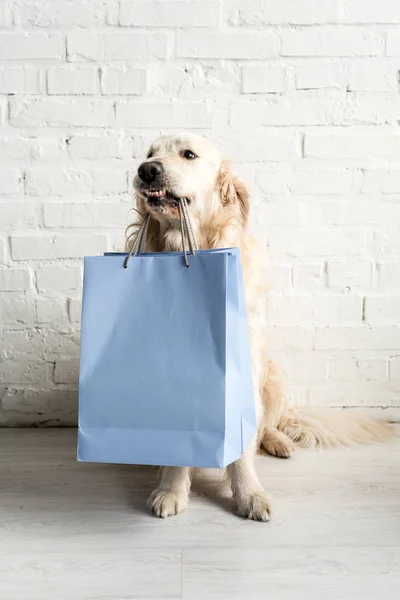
x=139, y=244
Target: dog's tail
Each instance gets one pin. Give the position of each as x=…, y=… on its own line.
x=312, y=428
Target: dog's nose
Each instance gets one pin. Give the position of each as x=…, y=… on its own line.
x=149, y=171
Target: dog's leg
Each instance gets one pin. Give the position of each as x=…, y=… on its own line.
x=250, y=497
x=273, y=441
x=172, y=495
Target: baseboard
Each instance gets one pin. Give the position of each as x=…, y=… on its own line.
x=389, y=413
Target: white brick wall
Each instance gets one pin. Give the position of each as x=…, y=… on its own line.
x=303, y=97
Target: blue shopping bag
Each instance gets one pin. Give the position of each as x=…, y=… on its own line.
x=165, y=372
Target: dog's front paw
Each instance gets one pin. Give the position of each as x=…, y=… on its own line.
x=277, y=444
x=166, y=503
x=255, y=506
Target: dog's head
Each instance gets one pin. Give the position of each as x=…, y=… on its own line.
x=189, y=166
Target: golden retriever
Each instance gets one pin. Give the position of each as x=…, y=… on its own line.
x=189, y=166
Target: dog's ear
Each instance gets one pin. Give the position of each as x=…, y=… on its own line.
x=233, y=191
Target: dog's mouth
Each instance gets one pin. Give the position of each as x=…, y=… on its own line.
x=160, y=197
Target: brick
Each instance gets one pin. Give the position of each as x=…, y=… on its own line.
x=372, y=76
x=325, y=214
x=258, y=79
x=32, y=148
x=393, y=43
x=15, y=280
x=117, y=46
x=14, y=215
x=72, y=81
x=357, y=338
x=394, y=368
x=75, y=310
x=279, y=213
x=369, y=11
x=30, y=46
x=193, y=79
x=178, y=13
x=242, y=45
x=382, y=310
x=124, y=80
x=118, y=237
x=96, y=147
x=52, y=112
x=273, y=181
x=19, y=81
x=342, y=369
x=381, y=181
x=16, y=311
x=66, y=371
x=41, y=246
x=40, y=343
x=307, y=181
x=51, y=310
x=309, y=369
x=369, y=213
x=360, y=108
x=350, y=273
x=297, y=396
x=44, y=182
x=4, y=15
x=292, y=241
x=281, y=276
x=367, y=108
x=295, y=338
x=43, y=150
x=316, y=310
x=387, y=241
x=10, y=181
x=280, y=146
x=248, y=172
x=13, y=372
x=332, y=41
x=63, y=13
x=309, y=276
x=285, y=12
x=3, y=109
x=372, y=370
x=319, y=76
x=361, y=394
x=2, y=252
x=58, y=278
x=191, y=115
x=349, y=145
x=95, y=214
x=278, y=111
x=389, y=274
x=321, y=181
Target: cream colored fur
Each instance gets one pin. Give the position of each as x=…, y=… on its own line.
x=219, y=209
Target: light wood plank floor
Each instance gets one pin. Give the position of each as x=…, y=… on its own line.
x=81, y=531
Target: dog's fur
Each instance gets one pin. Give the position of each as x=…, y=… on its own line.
x=219, y=204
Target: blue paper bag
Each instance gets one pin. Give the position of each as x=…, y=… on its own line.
x=165, y=372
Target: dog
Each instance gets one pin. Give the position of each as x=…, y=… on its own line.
x=189, y=166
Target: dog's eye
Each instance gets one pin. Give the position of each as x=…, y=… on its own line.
x=188, y=154
x=149, y=154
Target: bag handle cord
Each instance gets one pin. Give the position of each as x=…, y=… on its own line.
x=139, y=245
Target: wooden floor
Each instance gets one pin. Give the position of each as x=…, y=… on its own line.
x=81, y=531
